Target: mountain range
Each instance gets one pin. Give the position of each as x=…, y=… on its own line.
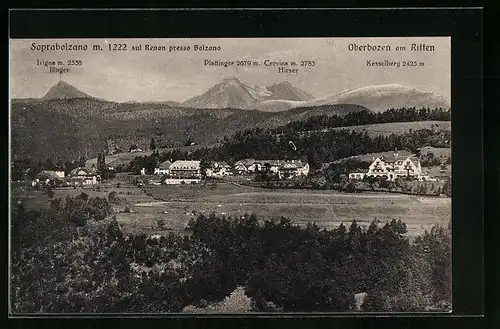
x=237, y=94
x=67, y=122
x=234, y=93
x=379, y=98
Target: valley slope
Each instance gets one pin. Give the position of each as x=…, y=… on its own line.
x=70, y=128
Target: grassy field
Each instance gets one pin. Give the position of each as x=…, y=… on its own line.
x=39, y=199
x=178, y=204
x=369, y=157
x=161, y=209
x=445, y=151
x=398, y=128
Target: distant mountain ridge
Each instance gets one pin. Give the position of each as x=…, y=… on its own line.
x=286, y=91
x=234, y=93
x=379, y=98
x=63, y=90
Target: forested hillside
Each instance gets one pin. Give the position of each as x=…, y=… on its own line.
x=319, y=139
x=86, y=126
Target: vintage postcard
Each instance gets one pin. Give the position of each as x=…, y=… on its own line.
x=230, y=175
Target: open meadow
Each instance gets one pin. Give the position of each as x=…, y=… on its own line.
x=162, y=209
x=36, y=199
x=176, y=205
x=386, y=129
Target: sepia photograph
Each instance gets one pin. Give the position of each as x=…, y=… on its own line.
x=230, y=175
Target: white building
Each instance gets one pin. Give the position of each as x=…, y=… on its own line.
x=356, y=175
x=222, y=172
x=163, y=168
x=284, y=168
x=261, y=165
x=218, y=169
x=83, y=176
x=293, y=168
x=242, y=166
x=392, y=168
x=59, y=173
x=47, y=177
x=185, y=169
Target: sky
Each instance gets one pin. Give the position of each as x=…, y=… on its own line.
x=133, y=75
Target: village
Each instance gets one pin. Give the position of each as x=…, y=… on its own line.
x=159, y=199
x=180, y=172
x=176, y=172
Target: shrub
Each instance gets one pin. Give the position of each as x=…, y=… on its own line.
x=113, y=197
x=99, y=208
x=350, y=187
x=160, y=223
x=50, y=193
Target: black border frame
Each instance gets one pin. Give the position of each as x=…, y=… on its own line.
x=463, y=25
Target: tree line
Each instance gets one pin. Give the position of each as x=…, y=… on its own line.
x=28, y=168
x=316, y=148
x=365, y=118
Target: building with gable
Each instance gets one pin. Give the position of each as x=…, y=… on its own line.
x=392, y=167
x=283, y=168
x=185, y=169
x=163, y=168
x=84, y=176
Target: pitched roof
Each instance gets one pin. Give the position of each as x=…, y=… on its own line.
x=165, y=165
x=289, y=165
x=87, y=171
x=218, y=164
x=293, y=164
x=245, y=162
x=185, y=164
x=51, y=174
x=271, y=162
